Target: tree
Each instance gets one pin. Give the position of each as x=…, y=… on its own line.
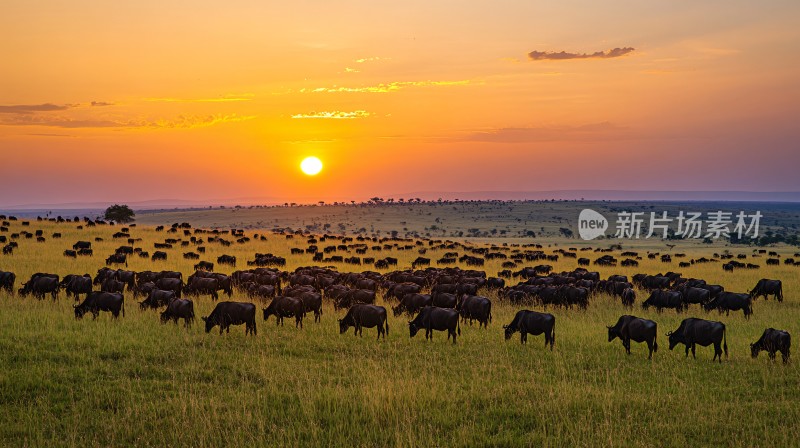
x=119, y=213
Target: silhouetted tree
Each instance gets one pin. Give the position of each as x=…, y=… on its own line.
x=119, y=213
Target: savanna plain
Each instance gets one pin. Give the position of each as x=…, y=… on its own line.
x=134, y=381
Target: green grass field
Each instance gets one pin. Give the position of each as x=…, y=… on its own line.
x=136, y=382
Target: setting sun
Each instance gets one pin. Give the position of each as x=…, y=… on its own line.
x=311, y=165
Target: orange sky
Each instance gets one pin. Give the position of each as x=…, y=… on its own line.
x=206, y=100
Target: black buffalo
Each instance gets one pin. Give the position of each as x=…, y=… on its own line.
x=7, y=280
x=411, y=304
x=661, y=299
x=731, y=301
x=766, y=287
x=631, y=328
x=179, y=309
x=41, y=285
x=283, y=306
x=693, y=331
x=77, y=285
x=475, y=308
x=434, y=318
x=157, y=298
x=773, y=341
x=363, y=315
x=628, y=298
x=226, y=314
x=97, y=301
x=535, y=323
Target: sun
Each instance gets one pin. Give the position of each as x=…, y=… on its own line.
x=311, y=165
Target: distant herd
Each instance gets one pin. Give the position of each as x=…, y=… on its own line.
x=436, y=298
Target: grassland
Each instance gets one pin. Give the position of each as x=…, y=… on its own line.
x=135, y=382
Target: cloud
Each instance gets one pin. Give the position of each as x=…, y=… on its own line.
x=336, y=114
x=222, y=99
x=595, y=131
x=385, y=88
x=181, y=122
x=101, y=103
x=563, y=55
x=29, y=109
x=372, y=59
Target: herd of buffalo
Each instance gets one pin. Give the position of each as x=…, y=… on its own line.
x=435, y=298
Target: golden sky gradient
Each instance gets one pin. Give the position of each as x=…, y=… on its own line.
x=128, y=101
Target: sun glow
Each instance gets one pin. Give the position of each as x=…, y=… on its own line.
x=311, y=165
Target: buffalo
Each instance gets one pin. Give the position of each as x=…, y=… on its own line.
x=661, y=299
x=434, y=318
x=179, y=309
x=41, y=285
x=283, y=306
x=475, y=308
x=766, y=287
x=631, y=328
x=773, y=341
x=157, y=298
x=7, y=280
x=97, y=301
x=363, y=315
x=535, y=323
x=411, y=304
x=693, y=331
x=731, y=301
x=226, y=314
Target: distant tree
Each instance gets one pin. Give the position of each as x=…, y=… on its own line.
x=119, y=213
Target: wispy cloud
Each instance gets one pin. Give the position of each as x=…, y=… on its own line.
x=563, y=55
x=33, y=108
x=336, y=114
x=181, y=122
x=100, y=104
x=371, y=59
x=385, y=88
x=222, y=99
x=595, y=131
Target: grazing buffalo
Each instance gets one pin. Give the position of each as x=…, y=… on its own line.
x=628, y=298
x=179, y=309
x=535, y=323
x=283, y=306
x=226, y=314
x=7, y=280
x=694, y=295
x=159, y=255
x=411, y=304
x=118, y=258
x=157, y=298
x=434, y=318
x=82, y=245
x=766, y=287
x=693, y=331
x=39, y=286
x=201, y=285
x=204, y=266
x=731, y=301
x=363, y=315
x=227, y=259
x=475, y=308
x=773, y=341
x=312, y=301
x=631, y=328
x=111, y=285
x=97, y=301
x=661, y=299
x=444, y=300
x=170, y=284
x=70, y=254
x=77, y=285
x=349, y=298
